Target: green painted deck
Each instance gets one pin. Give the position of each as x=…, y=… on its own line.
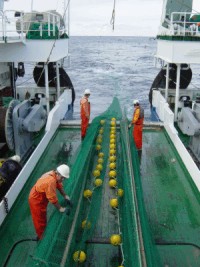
x=18, y=224
x=172, y=201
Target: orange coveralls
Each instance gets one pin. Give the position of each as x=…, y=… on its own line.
x=43, y=192
x=138, y=125
x=85, y=115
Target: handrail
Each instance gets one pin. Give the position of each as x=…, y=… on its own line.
x=181, y=23
x=17, y=24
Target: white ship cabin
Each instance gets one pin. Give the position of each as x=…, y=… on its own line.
x=34, y=37
x=178, y=43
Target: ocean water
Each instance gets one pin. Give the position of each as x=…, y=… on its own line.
x=112, y=66
x=124, y=67
x=115, y=66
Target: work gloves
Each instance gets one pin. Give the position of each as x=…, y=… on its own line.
x=67, y=209
x=67, y=197
x=68, y=201
x=62, y=209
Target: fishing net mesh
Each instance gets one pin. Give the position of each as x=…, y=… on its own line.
x=101, y=229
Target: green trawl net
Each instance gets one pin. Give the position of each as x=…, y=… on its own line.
x=101, y=229
x=144, y=249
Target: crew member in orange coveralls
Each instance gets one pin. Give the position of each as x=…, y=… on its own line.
x=43, y=192
x=85, y=112
x=137, y=121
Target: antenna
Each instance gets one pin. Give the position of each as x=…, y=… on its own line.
x=31, y=5
x=1, y=5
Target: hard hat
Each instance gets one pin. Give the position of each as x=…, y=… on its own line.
x=87, y=92
x=63, y=170
x=16, y=158
x=136, y=101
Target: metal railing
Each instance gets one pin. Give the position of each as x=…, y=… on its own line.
x=17, y=25
x=183, y=24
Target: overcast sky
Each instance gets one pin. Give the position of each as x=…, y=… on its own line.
x=92, y=17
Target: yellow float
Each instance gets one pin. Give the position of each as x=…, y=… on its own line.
x=112, y=183
x=112, y=158
x=112, y=146
x=100, y=160
x=113, y=128
x=112, y=174
x=87, y=193
x=115, y=240
x=98, y=182
x=112, y=136
x=112, y=151
x=101, y=130
x=112, y=123
x=98, y=147
x=120, y=192
x=1, y=162
x=101, y=155
x=86, y=224
x=102, y=122
x=112, y=165
x=99, y=167
x=99, y=140
x=112, y=141
x=96, y=173
x=79, y=256
x=114, y=202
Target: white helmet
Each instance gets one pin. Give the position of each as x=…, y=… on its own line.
x=135, y=102
x=87, y=92
x=16, y=158
x=63, y=170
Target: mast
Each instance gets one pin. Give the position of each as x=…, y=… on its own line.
x=1, y=5
x=31, y=5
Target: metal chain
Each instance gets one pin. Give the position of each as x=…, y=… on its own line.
x=5, y=201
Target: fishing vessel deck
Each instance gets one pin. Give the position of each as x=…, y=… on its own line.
x=170, y=197
x=171, y=201
x=156, y=217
